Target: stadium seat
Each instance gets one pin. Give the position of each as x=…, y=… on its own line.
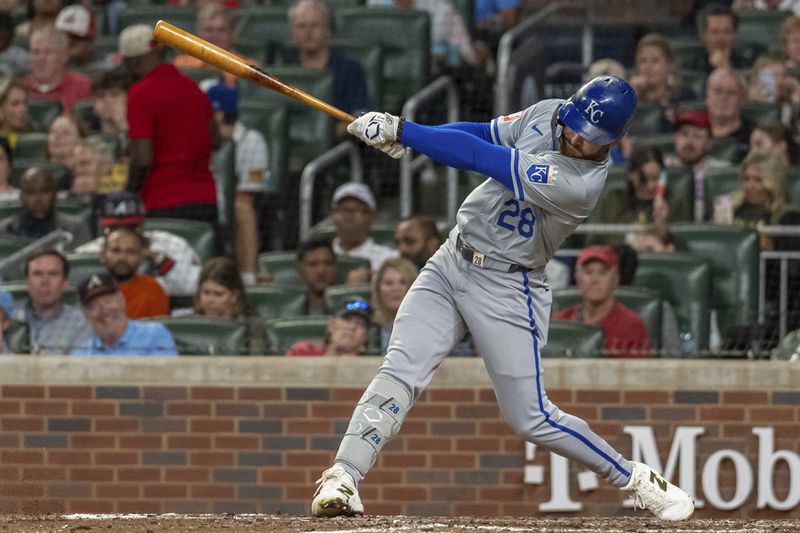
x=271, y=119
x=43, y=112
x=683, y=280
x=199, y=234
x=649, y=119
x=203, y=335
x=282, y=267
x=81, y=209
x=84, y=111
x=266, y=25
x=695, y=80
x=646, y=302
x=725, y=148
x=793, y=185
x=9, y=208
x=223, y=166
x=336, y=295
x=183, y=17
x=310, y=131
x=732, y=253
x=254, y=49
x=32, y=145
x=405, y=38
x=573, y=339
x=81, y=265
x=282, y=333
x=18, y=339
x=760, y=27
x=760, y=113
x=687, y=52
x=663, y=141
x=274, y=301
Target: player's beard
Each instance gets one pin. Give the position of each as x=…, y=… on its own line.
x=569, y=150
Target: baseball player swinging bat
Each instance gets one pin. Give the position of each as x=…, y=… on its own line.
x=174, y=37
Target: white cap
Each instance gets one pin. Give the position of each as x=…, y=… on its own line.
x=134, y=41
x=75, y=20
x=354, y=189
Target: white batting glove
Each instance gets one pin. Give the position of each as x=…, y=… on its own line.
x=375, y=128
x=394, y=150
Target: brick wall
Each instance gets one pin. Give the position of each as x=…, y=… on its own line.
x=244, y=448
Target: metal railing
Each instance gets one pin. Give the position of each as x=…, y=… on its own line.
x=317, y=165
x=56, y=238
x=409, y=164
x=502, y=88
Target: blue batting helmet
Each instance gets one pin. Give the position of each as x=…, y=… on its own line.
x=601, y=111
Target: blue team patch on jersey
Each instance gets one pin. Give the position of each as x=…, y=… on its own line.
x=541, y=174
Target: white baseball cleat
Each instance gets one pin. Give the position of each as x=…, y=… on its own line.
x=336, y=495
x=654, y=493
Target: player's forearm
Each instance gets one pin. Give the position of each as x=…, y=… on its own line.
x=458, y=149
x=481, y=130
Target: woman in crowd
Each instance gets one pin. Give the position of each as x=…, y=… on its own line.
x=347, y=333
x=391, y=284
x=14, y=117
x=646, y=198
x=7, y=191
x=773, y=139
x=221, y=293
x=656, y=79
x=62, y=137
x=790, y=43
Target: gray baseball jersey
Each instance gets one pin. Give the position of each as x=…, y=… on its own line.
x=507, y=312
x=552, y=193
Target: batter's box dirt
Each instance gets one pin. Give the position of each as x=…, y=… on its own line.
x=376, y=524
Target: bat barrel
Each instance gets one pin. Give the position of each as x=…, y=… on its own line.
x=192, y=45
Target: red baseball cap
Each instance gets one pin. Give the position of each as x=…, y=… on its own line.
x=606, y=254
x=695, y=118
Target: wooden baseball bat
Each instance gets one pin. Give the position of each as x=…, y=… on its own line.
x=191, y=44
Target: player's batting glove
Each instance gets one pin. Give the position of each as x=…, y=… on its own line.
x=394, y=149
x=375, y=128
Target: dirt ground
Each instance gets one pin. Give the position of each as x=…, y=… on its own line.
x=292, y=524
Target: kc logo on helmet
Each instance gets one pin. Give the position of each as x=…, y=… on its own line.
x=594, y=112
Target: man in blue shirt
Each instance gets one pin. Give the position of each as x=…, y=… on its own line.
x=104, y=308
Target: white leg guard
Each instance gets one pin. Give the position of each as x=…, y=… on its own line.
x=376, y=420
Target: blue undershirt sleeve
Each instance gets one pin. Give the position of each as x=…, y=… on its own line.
x=458, y=149
x=481, y=130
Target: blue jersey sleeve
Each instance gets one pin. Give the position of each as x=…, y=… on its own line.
x=454, y=147
x=481, y=130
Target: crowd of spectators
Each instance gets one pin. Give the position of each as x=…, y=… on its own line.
x=103, y=144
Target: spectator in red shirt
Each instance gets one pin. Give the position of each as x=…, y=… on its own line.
x=597, y=275
x=170, y=131
x=49, y=78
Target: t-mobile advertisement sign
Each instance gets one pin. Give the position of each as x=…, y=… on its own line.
x=681, y=468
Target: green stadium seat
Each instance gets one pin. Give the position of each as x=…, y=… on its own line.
x=18, y=339
x=84, y=111
x=183, y=17
x=203, y=335
x=732, y=253
x=274, y=301
x=80, y=209
x=695, y=79
x=573, y=339
x=223, y=165
x=282, y=267
x=271, y=119
x=793, y=185
x=404, y=36
x=8, y=245
x=788, y=349
x=266, y=25
x=336, y=295
x=282, y=333
x=760, y=113
x=81, y=265
x=199, y=234
x=310, y=131
x=663, y=141
x=254, y=49
x=725, y=148
x=9, y=208
x=760, y=27
x=43, y=112
x=683, y=280
x=688, y=53
x=649, y=119
x=646, y=302
x=32, y=145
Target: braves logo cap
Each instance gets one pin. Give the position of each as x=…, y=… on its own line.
x=95, y=284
